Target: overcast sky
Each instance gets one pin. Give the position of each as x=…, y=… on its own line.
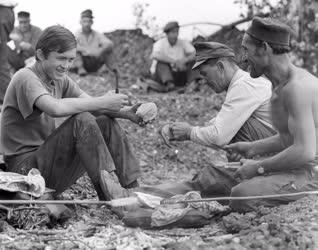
x=117, y=14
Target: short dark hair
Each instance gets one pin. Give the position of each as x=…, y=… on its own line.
x=55, y=38
x=277, y=49
x=23, y=14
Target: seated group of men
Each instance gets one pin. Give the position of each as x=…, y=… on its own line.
x=270, y=111
x=93, y=48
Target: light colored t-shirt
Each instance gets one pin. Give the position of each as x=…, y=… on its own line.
x=32, y=36
x=93, y=40
x=246, y=97
x=181, y=49
x=24, y=127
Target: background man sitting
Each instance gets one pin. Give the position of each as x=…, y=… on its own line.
x=25, y=37
x=94, y=49
x=172, y=58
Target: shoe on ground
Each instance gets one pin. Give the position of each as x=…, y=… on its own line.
x=111, y=186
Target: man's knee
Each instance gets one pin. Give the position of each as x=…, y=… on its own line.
x=85, y=117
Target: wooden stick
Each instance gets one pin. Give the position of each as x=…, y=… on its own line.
x=244, y=197
x=110, y=203
x=115, y=71
x=69, y=202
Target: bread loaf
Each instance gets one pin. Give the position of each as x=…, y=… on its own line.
x=147, y=111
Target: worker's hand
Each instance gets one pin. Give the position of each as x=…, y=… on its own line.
x=15, y=37
x=247, y=171
x=130, y=112
x=237, y=151
x=25, y=46
x=181, y=131
x=115, y=102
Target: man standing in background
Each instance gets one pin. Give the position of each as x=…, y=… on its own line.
x=172, y=58
x=6, y=26
x=25, y=37
x=93, y=48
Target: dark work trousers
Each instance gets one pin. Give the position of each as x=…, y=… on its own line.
x=93, y=64
x=6, y=26
x=83, y=143
x=165, y=74
x=15, y=59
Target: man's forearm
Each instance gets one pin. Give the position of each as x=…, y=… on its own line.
x=292, y=157
x=122, y=114
x=268, y=145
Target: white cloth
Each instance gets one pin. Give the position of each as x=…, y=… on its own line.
x=245, y=97
x=8, y=3
x=181, y=49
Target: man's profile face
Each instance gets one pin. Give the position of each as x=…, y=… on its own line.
x=213, y=76
x=172, y=36
x=24, y=23
x=56, y=65
x=254, y=59
x=86, y=23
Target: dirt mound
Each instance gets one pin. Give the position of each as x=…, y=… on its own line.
x=132, y=52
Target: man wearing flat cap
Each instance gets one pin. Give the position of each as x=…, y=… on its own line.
x=293, y=164
x=244, y=116
x=94, y=48
x=172, y=59
x=25, y=37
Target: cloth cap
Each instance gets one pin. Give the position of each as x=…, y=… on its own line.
x=171, y=25
x=211, y=50
x=87, y=13
x=23, y=14
x=270, y=30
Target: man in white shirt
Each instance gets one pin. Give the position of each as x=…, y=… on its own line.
x=172, y=58
x=94, y=48
x=245, y=114
x=6, y=26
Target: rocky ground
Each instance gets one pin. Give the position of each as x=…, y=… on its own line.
x=293, y=226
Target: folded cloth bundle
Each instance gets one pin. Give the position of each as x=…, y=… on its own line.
x=169, y=215
x=31, y=184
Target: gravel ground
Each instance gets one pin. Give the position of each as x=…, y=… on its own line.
x=293, y=226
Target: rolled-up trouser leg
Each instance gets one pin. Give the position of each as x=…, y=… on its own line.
x=275, y=183
x=73, y=148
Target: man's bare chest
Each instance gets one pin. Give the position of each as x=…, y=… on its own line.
x=279, y=114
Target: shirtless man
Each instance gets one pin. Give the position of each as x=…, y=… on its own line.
x=295, y=115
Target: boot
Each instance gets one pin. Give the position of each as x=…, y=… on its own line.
x=111, y=187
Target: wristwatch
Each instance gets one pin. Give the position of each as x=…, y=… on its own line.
x=260, y=170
